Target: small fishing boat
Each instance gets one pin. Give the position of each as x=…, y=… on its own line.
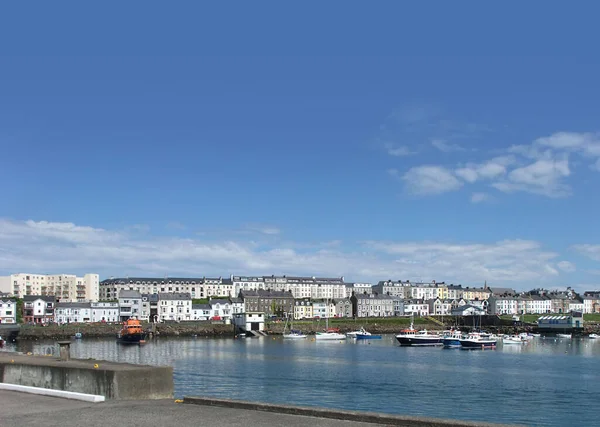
x=478, y=340
x=132, y=332
x=594, y=336
x=364, y=335
x=452, y=339
x=567, y=336
x=78, y=335
x=513, y=339
x=412, y=337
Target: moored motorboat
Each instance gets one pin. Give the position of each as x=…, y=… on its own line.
x=478, y=340
x=513, y=339
x=452, y=339
x=132, y=332
x=367, y=336
x=594, y=336
x=412, y=337
x=568, y=336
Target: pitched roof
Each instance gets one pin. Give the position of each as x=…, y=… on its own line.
x=47, y=298
x=201, y=307
x=73, y=305
x=125, y=293
x=174, y=296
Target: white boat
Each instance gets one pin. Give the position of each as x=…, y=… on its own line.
x=594, y=336
x=525, y=336
x=293, y=335
x=412, y=337
x=514, y=339
x=478, y=340
x=452, y=339
x=329, y=336
x=568, y=336
x=361, y=331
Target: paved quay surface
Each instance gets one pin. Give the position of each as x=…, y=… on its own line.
x=22, y=410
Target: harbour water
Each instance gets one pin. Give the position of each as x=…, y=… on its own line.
x=547, y=382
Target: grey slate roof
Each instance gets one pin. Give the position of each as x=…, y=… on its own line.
x=218, y=301
x=74, y=305
x=174, y=296
x=267, y=294
x=125, y=293
x=502, y=291
x=200, y=306
x=47, y=298
x=159, y=280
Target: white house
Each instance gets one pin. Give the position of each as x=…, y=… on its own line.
x=221, y=309
x=174, y=307
x=8, y=310
x=576, y=306
x=250, y=321
x=319, y=309
x=503, y=305
x=201, y=312
x=38, y=308
x=130, y=304
x=591, y=304
x=237, y=305
x=468, y=310
x=73, y=312
x=105, y=312
x=439, y=307
x=416, y=307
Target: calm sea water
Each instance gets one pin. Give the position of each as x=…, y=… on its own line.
x=547, y=382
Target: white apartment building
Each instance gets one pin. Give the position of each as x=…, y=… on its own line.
x=65, y=287
x=299, y=286
x=503, y=305
x=534, y=305
x=110, y=289
x=73, y=312
x=358, y=288
x=105, y=312
x=174, y=307
x=130, y=305
x=398, y=289
x=424, y=291
x=591, y=304
x=375, y=305
x=8, y=310
x=576, y=306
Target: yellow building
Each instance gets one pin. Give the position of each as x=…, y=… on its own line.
x=303, y=309
x=480, y=294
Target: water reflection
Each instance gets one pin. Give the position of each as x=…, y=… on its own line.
x=527, y=384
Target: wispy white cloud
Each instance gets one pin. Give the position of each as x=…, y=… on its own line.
x=589, y=250
x=29, y=246
x=397, y=150
x=479, y=197
x=491, y=169
x=430, y=180
x=445, y=146
x=175, y=225
x=543, y=177
x=566, y=266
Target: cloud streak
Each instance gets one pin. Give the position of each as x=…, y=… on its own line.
x=53, y=247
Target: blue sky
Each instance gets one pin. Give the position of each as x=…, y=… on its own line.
x=374, y=141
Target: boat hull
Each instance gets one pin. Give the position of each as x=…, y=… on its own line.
x=131, y=338
x=419, y=341
x=451, y=343
x=367, y=337
x=294, y=337
x=477, y=344
x=330, y=337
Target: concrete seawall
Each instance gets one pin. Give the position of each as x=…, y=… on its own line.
x=112, y=380
x=337, y=414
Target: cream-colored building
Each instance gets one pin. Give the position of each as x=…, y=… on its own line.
x=65, y=287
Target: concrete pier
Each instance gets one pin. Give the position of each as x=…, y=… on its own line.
x=23, y=410
x=97, y=377
x=337, y=414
